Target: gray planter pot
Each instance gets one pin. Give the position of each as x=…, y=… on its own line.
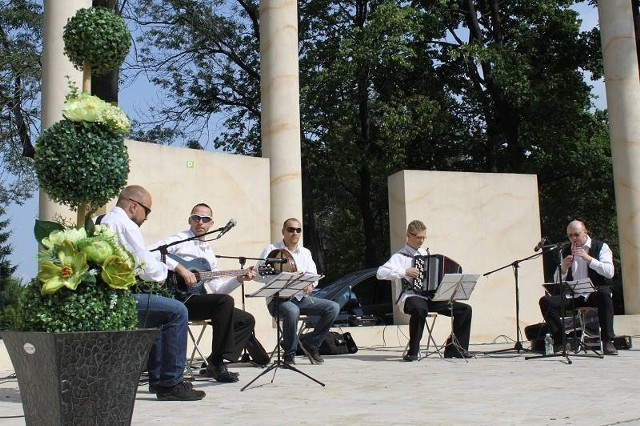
x=84, y=378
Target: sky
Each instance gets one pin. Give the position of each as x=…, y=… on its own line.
x=133, y=99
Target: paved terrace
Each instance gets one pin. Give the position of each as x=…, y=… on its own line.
x=374, y=387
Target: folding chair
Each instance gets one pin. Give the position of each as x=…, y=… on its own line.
x=302, y=327
x=589, y=338
x=430, y=339
x=196, y=348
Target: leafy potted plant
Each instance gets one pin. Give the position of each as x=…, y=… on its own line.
x=77, y=354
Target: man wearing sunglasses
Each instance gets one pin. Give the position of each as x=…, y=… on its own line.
x=232, y=327
x=586, y=257
x=290, y=309
x=168, y=354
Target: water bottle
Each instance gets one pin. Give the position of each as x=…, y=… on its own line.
x=548, y=344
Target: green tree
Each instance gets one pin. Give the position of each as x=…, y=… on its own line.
x=10, y=287
x=483, y=86
x=20, y=69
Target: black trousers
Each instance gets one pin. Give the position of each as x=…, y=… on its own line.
x=551, y=306
x=232, y=327
x=418, y=308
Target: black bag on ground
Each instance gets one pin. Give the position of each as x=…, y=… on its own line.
x=335, y=343
x=257, y=352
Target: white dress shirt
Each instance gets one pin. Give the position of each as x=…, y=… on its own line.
x=603, y=265
x=394, y=269
x=302, y=257
x=194, y=249
x=130, y=236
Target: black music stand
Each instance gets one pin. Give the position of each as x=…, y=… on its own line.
x=455, y=287
x=572, y=289
x=515, y=264
x=284, y=285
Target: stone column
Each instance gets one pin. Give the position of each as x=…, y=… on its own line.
x=622, y=83
x=279, y=87
x=55, y=68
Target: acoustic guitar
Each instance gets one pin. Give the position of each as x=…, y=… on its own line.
x=202, y=270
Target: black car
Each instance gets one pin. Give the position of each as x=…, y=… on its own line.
x=363, y=299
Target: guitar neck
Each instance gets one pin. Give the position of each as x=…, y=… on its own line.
x=208, y=275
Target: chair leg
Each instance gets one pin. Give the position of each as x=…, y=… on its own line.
x=431, y=340
x=196, y=348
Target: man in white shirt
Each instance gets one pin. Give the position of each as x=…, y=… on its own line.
x=232, y=327
x=585, y=258
x=303, y=303
x=168, y=354
x=401, y=267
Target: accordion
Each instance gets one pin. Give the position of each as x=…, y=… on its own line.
x=431, y=269
x=427, y=281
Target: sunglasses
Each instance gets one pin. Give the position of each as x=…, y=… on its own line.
x=198, y=218
x=291, y=230
x=147, y=210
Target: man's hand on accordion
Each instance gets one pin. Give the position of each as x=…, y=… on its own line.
x=412, y=272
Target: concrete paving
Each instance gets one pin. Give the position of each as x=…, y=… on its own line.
x=375, y=387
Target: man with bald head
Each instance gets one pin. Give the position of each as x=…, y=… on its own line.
x=586, y=257
x=169, y=352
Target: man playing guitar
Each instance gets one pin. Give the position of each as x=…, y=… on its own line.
x=232, y=327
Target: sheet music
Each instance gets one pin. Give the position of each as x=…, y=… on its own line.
x=286, y=284
x=582, y=287
x=456, y=287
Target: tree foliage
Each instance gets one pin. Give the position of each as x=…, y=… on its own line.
x=20, y=69
x=463, y=85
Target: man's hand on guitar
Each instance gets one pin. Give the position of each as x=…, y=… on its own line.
x=248, y=276
x=189, y=277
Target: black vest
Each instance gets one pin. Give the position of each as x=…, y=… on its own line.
x=594, y=251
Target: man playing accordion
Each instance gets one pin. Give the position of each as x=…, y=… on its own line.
x=417, y=304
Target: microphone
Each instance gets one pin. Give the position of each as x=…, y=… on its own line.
x=540, y=244
x=227, y=227
x=275, y=260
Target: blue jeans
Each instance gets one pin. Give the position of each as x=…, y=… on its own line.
x=290, y=311
x=169, y=352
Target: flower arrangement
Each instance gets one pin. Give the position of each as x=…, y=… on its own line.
x=82, y=283
x=82, y=162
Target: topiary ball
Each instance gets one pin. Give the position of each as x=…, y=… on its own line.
x=81, y=162
x=97, y=36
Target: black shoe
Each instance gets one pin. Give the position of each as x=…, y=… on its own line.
x=410, y=357
x=220, y=373
x=183, y=391
x=153, y=388
x=314, y=353
x=458, y=354
x=290, y=359
x=609, y=349
x=208, y=372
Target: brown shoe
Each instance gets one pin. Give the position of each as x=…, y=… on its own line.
x=609, y=349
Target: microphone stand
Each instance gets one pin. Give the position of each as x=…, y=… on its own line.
x=515, y=264
x=243, y=260
x=163, y=249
